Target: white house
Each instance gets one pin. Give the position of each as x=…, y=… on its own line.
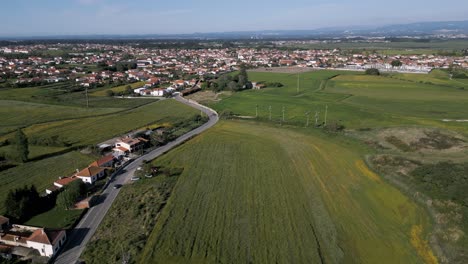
x=47, y=242
x=91, y=174
x=157, y=92
x=128, y=143
x=139, y=90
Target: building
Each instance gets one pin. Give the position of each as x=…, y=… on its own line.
x=129, y=144
x=91, y=174
x=106, y=162
x=46, y=241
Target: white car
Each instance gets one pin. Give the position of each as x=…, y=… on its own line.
x=135, y=178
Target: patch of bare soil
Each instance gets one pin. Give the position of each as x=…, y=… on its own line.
x=422, y=140
x=388, y=164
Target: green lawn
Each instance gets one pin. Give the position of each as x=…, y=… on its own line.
x=259, y=194
x=56, y=218
x=40, y=173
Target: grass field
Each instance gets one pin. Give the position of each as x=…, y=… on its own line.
x=138, y=205
x=20, y=114
x=262, y=194
x=93, y=130
x=353, y=99
x=102, y=92
x=55, y=218
x=40, y=173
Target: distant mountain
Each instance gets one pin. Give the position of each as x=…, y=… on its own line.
x=413, y=29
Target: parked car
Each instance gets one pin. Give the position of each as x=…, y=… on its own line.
x=117, y=186
x=135, y=178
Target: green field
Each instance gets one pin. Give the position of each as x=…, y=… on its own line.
x=56, y=219
x=102, y=92
x=137, y=205
x=262, y=194
x=40, y=173
x=21, y=114
x=354, y=100
x=93, y=130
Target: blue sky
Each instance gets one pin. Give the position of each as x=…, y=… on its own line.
x=64, y=17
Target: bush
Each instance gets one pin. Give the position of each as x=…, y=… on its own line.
x=372, y=71
x=110, y=93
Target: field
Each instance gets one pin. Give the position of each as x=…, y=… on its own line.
x=102, y=92
x=263, y=194
x=93, y=130
x=354, y=100
x=55, y=219
x=41, y=173
x=137, y=205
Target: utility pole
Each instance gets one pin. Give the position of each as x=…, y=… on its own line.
x=87, y=99
x=316, y=118
x=269, y=108
x=308, y=116
x=326, y=112
x=298, y=83
x=283, y=113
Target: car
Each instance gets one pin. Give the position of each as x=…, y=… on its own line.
x=117, y=186
x=135, y=178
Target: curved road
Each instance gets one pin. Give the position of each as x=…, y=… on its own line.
x=79, y=237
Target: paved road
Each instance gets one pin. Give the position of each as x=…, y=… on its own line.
x=79, y=237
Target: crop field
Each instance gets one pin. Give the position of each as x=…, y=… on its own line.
x=263, y=194
x=21, y=114
x=40, y=173
x=93, y=130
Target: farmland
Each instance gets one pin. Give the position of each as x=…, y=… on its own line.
x=353, y=99
x=264, y=194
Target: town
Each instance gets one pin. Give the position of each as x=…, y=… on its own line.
x=166, y=71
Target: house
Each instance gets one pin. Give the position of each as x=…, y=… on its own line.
x=106, y=161
x=60, y=183
x=157, y=92
x=130, y=144
x=47, y=242
x=91, y=174
x=20, y=238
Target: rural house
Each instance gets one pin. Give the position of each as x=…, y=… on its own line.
x=91, y=174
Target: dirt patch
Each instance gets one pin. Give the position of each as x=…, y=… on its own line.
x=208, y=96
x=389, y=163
x=421, y=140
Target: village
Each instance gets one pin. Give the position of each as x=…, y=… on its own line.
x=165, y=70
x=31, y=242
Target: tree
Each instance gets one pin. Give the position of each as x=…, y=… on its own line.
x=396, y=63
x=67, y=198
x=110, y=93
x=128, y=89
x=23, y=203
x=22, y=147
x=233, y=86
x=372, y=71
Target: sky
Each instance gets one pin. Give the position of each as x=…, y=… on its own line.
x=83, y=17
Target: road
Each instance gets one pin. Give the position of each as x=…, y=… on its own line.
x=79, y=237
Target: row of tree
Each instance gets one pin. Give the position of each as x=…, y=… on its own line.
x=231, y=83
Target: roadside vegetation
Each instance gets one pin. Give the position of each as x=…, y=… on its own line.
x=137, y=209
